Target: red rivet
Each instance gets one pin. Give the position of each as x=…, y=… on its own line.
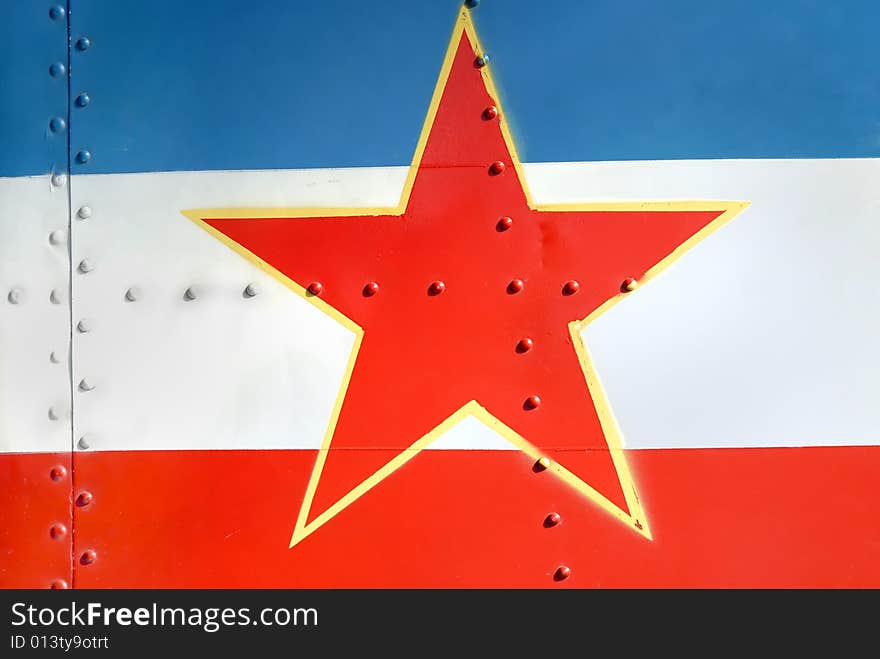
x=562, y=573
x=58, y=531
x=515, y=286
x=504, y=224
x=629, y=284
x=59, y=584
x=316, y=288
x=524, y=345
x=490, y=112
x=436, y=287
x=532, y=402
x=552, y=520
x=497, y=167
x=570, y=287
x=371, y=289
x=542, y=464
x=58, y=472
x=84, y=499
x=88, y=557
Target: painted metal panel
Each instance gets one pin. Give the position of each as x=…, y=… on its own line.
x=213, y=381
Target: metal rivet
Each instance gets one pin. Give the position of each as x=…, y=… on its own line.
x=82, y=100
x=57, y=70
x=59, y=584
x=497, y=167
x=83, y=156
x=470, y=4
x=58, y=472
x=84, y=498
x=629, y=284
x=436, y=287
x=85, y=266
x=58, y=237
x=57, y=12
x=86, y=385
x=132, y=294
x=84, y=325
x=54, y=413
x=490, y=112
x=524, y=345
x=552, y=520
x=504, y=224
x=85, y=442
x=15, y=296
x=191, y=293
x=59, y=180
x=57, y=124
x=515, y=286
x=84, y=212
x=56, y=296
x=533, y=402
x=570, y=287
x=88, y=557
x=481, y=61
x=58, y=531
x=54, y=358
x=562, y=573
x=251, y=290
x=316, y=288
x=371, y=289
x=83, y=43
x=542, y=464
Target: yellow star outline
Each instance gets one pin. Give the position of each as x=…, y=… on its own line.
x=635, y=518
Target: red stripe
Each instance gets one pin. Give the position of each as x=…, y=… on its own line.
x=720, y=518
x=32, y=502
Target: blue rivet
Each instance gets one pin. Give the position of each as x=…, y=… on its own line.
x=470, y=4
x=57, y=124
x=82, y=157
x=83, y=43
x=57, y=70
x=57, y=12
x=82, y=100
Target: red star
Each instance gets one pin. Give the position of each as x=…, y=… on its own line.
x=468, y=292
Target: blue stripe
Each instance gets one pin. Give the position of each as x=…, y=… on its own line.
x=29, y=96
x=254, y=85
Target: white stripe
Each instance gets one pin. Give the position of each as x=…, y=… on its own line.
x=763, y=335
x=34, y=391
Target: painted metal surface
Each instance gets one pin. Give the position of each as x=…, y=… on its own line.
x=204, y=385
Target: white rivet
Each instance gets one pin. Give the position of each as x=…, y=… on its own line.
x=86, y=266
x=15, y=296
x=54, y=413
x=54, y=358
x=251, y=290
x=84, y=212
x=132, y=294
x=56, y=296
x=58, y=180
x=84, y=325
x=191, y=293
x=86, y=385
x=85, y=442
x=58, y=237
